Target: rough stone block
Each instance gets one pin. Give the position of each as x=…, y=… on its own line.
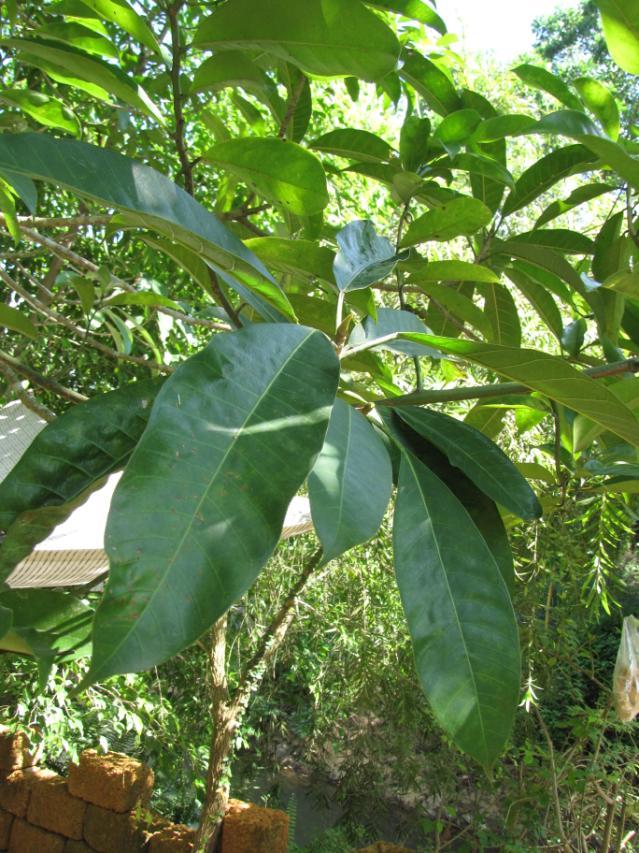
x=15, y=789
x=174, y=838
x=15, y=751
x=29, y=839
x=113, y=832
x=248, y=827
x=6, y=819
x=112, y=781
x=52, y=807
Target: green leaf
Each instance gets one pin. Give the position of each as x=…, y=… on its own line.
x=68, y=460
x=487, y=419
x=586, y=431
x=147, y=298
x=360, y=145
x=459, y=614
x=459, y=216
x=415, y=9
x=540, y=299
x=540, y=78
x=452, y=271
x=547, y=374
x=297, y=257
x=456, y=127
x=572, y=337
x=498, y=127
x=545, y=173
x=431, y=83
x=578, y=196
x=481, y=460
x=483, y=167
x=478, y=505
x=279, y=170
x=620, y=20
x=6, y=620
x=363, y=257
x=561, y=239
x=542, y=257
x=457, y=304
x=45, y=110
x=200, y=509
x=414, y=139
x=330, y=38
x=120, y=12
x=24, y=188
x=117, y=181
x=350, y=484
x=232, y=68
x=80, y=36
x=624, y=281
x=600, y=102
x=501, y=310
x=70, y=60
x=17, y=320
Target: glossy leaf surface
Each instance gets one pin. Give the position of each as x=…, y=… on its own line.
x=459, y=614
x=350, y=484
x=200, y=507
x=364, y=256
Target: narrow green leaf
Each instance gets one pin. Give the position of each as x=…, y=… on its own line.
x=68, y=460
x=540, y=299
x=585, y=431
x=121, y=13
x=545, y=173
x=390, y=321
x=350, y=484
x=459, y=614
x=498, y=127
x=457, y=304
x=546, y=259
x=24, y=188
x=501, y=311
x=483, y=167
x=580, y=195
x=600, y=102
x=360, y=145
x=431, y=83
x=540, y=78
x=117, y=181
x=560, y=239
x=17, y=320
x=550, y=375
x=452, y=271
x=281, y=171
x=481, y=460
x=414, y=140
x=199, y=510
x=461, y=216
x=330, y=38
x=456, y=127
x=620, y=20
x=70, y=60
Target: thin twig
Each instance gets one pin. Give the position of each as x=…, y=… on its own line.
x=23, y=394
x=42, y=381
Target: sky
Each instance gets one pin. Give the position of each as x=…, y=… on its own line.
x=501, y=26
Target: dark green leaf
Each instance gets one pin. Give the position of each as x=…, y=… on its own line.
x=456, y=127
x=200, y=507
x=298, y=257
x=350, y=484
x=498, y=127
x=459, y=614
x=501, y=311
x=67, y=461
x=45, y=110
x=540, y=299
x=452, y=271
x=390, y=321
x=18, y=320
x=414, y=140
x=578, y=196
x=431, y=83
x=114, y=180
x=232, y=68
x=478, y=457
x=542, y=79
x=561, y=239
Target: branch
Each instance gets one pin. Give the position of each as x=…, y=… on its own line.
x=272, y=638
x=27, y=397
x=176, y=52
x=43, y=381
x=499, y=389
x=292, y=106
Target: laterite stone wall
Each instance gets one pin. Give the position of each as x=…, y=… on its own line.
x=102, y=808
